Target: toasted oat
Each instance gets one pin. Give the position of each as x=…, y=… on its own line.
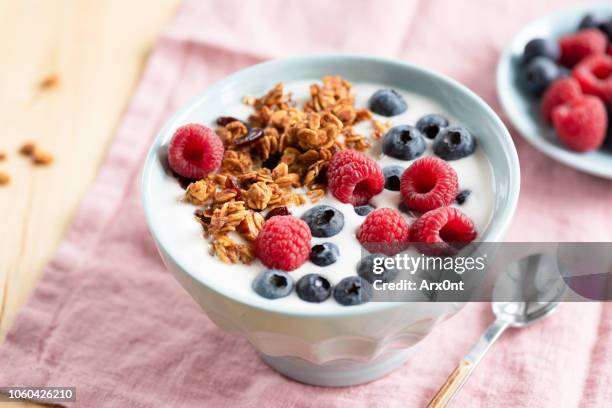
x=50, y=81
x=258, y=195
x=27, y=149
x=5, y=178
x=200, y=191
x=229, y=251
x=2, y=156
x=42, y=157
x=251, y=225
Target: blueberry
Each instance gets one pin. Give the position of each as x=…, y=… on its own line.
x=589, y=20
x=403, y=142
x=324, y=254
x=372, y=268
x=541, y=47
x=364, y=210
x=606, y=27
x=324, y=221
x=462, y=196
x=453, y=143
x=313, y=288
x=387, y=102
x=430, y=125
x=273, y=284
x=538, y=74
x=392, y=177
x=353, y=290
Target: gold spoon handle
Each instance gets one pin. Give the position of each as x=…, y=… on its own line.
x=452, y=385
x=457, y=378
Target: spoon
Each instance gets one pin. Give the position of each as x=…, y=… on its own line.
x=535, y=286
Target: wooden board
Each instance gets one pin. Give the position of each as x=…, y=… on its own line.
x=96, y=50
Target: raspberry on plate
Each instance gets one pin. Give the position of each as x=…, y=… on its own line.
x=195, y=151
x=574, y=47
x=428, y=183
x=559, y=93
x=594, y=74
x=384, y=231
x=442, y=232
x=354, y=178
x=283, y=243
x=581, y=125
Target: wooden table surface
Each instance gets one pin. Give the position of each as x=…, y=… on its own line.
x=96, y=51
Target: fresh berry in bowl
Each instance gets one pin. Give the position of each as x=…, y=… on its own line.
x=304, y=192
x=558, y=63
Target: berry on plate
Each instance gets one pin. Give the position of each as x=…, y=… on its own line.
x=541, y=47
x=454, y=143
x=384, y=230
x=363, y=210
x=283, y=243
x=354, y=178
x=590, y=20
x=392, y=177
x=353, y=290
x=324, y=254
x=594, y=74
x=428, y=183
x=313, y=288
x=430, y=125
x=574, y=47
x=559, y=93
x=194, y=151
x=581, y=125
x=539, y=73
x=403, y=142
x=372, y=268
x=442, y=232
x=387, y=102
x=324, y=221
x=273, y=284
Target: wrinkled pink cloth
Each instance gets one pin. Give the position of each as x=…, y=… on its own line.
x=108, y=319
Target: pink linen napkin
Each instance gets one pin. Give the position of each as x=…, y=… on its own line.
x=108, y=319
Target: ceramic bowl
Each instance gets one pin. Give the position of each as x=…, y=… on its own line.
x=523, y=110
x=331, y=346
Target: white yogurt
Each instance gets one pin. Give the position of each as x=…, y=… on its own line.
x=474, y=173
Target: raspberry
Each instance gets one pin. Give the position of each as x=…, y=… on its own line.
x=384, y=231
x=283, y=243
x=581, y=125
x=560, y=92
x=194, y=151
x=594, y=73
x=609, y=50
x=575, y=47
x=428, y=183
x=442, y=232
x=354, y=178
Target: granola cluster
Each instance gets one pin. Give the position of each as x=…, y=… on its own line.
x=276, y=160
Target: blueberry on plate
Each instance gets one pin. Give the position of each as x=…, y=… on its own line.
x=538, y=74
x=273, y=284
x=606, y=27
x=454, y=143
x=589, y=20
x=313, y=288
x=363, y=210
x=372, y=268
x=430, y=125
x=462, y=197
x=392, y=177
x=324, y=221
x=387, y=102
x=403, y=142
x=324, y=254
x=353, y=290
x=541, y=47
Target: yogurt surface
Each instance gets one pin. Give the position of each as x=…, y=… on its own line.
x=474, y=174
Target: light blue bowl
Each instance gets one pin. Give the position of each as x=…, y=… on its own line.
x=317, y=343
x=523, y=109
